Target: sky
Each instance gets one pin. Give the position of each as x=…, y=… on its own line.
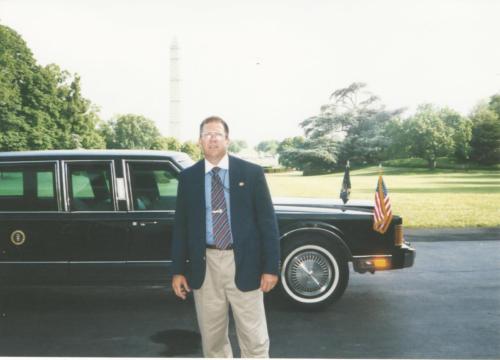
x=264, y=66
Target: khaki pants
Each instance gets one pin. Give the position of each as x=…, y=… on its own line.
x=212, y=302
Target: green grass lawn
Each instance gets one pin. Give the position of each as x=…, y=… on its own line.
x=424, y=198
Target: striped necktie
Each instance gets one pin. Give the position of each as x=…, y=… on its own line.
x=220, y=221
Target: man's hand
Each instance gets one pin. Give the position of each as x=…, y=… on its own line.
x=267, y=282
x=180, y=286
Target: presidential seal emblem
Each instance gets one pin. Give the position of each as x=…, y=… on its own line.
x=18, y=237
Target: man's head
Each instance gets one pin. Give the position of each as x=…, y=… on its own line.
x=214, y=138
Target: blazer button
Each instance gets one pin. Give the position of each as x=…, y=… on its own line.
x=204, y=258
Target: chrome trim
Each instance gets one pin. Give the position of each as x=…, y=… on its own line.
x=98, y=262
x=126, y=170
x=27, y=162
x=64, y=186
x=65, y=163
x=324, y=292
x=120, y=185
x=34, y=262
x=56, y=180
x=58, y=187
x=126, y=180
x=148, y=261
x=309, y=273
x=153, y=211
x=32, y=212
x=86, y=262
x=371, y=256
x=98, y=212
x=308, y=228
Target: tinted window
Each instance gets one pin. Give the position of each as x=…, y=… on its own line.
x=28, y=187
x=90, y=187
x=153, y=185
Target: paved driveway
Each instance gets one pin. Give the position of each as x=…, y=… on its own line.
x=446, y=306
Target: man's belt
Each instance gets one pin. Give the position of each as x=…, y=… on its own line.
x=229, y=247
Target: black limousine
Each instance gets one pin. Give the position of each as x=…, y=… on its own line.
x=106, y=216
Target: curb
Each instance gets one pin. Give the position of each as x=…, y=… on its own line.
x=453, y=234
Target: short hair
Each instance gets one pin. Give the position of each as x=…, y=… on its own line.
x=212, y=119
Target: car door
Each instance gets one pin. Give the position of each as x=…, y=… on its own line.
x=152, y=186
x=32, y=249
x=98, y=238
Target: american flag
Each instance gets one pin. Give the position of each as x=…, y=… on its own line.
x=382, y=214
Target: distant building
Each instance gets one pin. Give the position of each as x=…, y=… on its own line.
x=253, y=156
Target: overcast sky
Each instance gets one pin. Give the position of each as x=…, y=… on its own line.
x=265, y=66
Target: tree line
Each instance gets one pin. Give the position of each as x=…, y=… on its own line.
x=41, y=107
x=355, y=126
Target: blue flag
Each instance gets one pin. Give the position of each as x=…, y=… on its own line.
x=346, y=185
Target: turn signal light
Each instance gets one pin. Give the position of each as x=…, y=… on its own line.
x=380, y=263
x=398, y=235
x=363, y=264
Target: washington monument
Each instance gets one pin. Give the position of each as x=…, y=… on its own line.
x=174, y=120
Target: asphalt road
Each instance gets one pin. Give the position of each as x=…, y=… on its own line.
x=446, y=306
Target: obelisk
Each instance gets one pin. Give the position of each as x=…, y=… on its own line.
x=175, y=96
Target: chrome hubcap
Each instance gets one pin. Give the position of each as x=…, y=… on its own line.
x=310, y=273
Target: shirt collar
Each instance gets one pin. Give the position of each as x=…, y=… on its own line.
x=223, y=164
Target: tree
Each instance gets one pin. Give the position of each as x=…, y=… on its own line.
x=131, y=132
x=357, y=119
x=312, y=157
x=398, y=147
x=78, y=118
x=41, y=107
x=427, y=135
x=347, y=108
x=485, y=142
x=16, y=69
x=460, y=129
x=286, y=158
x=267, y=147
x=192, y=149
x=494, y=104
x=235, y=146
x=367, y=141
x=166, y=143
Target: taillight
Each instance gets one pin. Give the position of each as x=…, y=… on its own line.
x=398, y=235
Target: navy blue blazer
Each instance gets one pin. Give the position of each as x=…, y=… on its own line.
x=253, y=224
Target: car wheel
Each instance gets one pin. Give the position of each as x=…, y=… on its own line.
x=314, y=273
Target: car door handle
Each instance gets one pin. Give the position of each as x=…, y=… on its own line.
x=144, y=223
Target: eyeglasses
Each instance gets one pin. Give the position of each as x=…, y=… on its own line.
x=212, y=134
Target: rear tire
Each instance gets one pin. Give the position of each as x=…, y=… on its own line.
x=314, y=271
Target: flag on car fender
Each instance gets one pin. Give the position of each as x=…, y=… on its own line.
x=346, y=185
x=382, y=214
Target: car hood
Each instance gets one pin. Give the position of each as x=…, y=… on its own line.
x=321, y=205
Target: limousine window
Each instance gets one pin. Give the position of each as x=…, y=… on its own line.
x=90, y=186
x=28, y=187
x=153, y=186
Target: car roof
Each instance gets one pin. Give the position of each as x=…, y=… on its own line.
x=82, y=153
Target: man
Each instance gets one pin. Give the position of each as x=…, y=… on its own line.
x=225, y=245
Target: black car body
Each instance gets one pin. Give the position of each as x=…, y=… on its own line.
x=86, y=216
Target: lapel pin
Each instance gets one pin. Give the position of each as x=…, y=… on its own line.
x=241, y=183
